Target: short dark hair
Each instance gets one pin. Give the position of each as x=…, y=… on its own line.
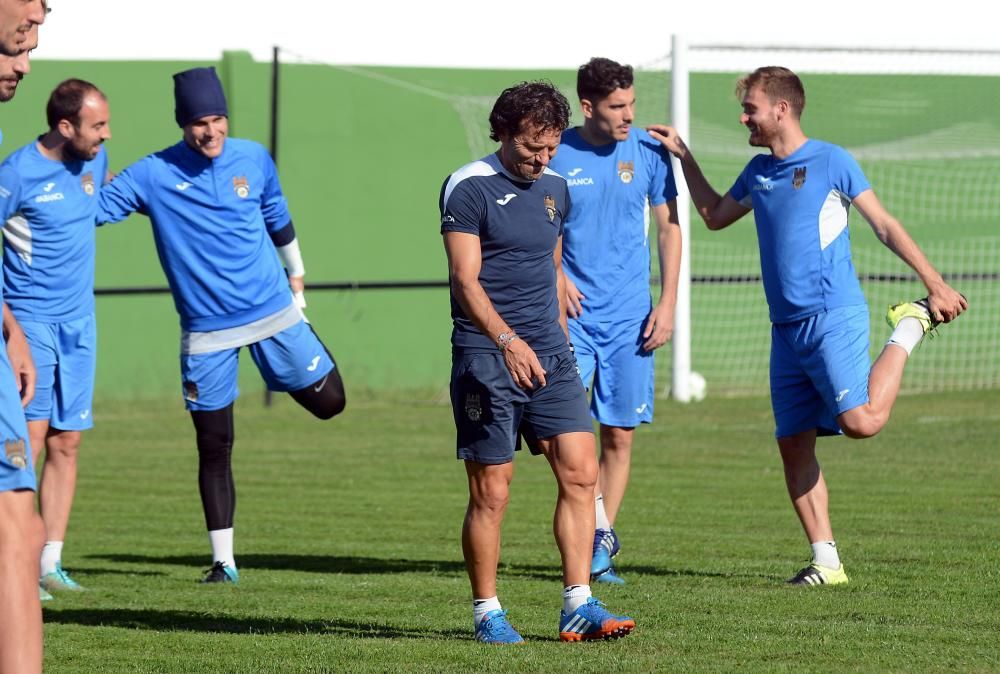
x=777, y=83
x=66, y=100
x=599, y=77
x=537, y=103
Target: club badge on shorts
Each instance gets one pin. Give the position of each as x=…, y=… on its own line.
x=626, y=171
x=550, y=207
x=16, y=454
x=473, y=408
x=242, y=187
x=799, y=179
x=87, y=183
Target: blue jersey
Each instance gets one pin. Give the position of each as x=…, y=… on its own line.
x=48, y=209
x=211, y=219
x=606, y=248
x=518, y=224
x=801, y=205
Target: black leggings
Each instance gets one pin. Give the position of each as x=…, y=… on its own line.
x=324, y=398
x=214, y=431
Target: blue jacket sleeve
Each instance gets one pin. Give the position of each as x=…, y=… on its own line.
x=124, y=195
x=273, y=204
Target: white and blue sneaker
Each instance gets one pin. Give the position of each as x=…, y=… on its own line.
x=592, y=621
x=494, y=628
x=221, y=573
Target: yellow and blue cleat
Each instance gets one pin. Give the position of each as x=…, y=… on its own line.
x=814, y=574
x=918, y=309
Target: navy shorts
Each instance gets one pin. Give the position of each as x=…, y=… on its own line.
x=491, y=411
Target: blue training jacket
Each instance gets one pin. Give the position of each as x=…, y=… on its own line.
x=211, y=221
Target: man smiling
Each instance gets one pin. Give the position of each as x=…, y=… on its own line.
x=219, y=217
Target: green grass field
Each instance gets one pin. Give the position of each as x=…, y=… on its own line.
x=348, y=546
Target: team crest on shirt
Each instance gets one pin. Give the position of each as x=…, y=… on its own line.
x=626, y=171
x=87, y=183
x=16, y=455
x=242, y=187
x=473, y=408
x=799, y=179
x=550, y=207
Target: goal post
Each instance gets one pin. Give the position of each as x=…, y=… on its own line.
x=921, y=124
x=680, y=107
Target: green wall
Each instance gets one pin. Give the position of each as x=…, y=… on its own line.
x=362, y=155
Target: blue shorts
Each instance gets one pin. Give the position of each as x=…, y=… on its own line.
x=288, y=361
x=491, y=411
x=16, y=469
x=819, y=370
x=65, y=356
x=617, y=369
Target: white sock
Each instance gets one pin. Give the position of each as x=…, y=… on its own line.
x=51, y=556
x=480, y=607
x=575, y=596
x=907, y=334
x=825, y=554
x=602, y=515
x=222, y=546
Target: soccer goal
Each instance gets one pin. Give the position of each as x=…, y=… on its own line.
x=923, y=126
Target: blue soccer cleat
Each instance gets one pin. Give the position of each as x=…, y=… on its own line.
x=606, y=546
x=609, y=576
x=495, y=629
x=43, y=594
x=600, y=562
x=221, y=573
x=59, y=581
x=611, y=539
x=593, y=621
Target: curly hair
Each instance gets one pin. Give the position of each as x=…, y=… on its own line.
x=598, y=77
x=536, y=103
x=777, y=83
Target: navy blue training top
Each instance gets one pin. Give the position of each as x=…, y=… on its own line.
x=519, y=224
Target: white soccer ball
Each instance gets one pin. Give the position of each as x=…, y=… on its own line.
x=697, y=386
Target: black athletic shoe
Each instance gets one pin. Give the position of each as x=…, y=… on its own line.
x=221, y=573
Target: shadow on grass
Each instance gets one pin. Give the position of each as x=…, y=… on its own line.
x=104, y=571
x=188, y=621
x=374, y=565
x=308, y=563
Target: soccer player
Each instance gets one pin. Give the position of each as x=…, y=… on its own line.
x=49, y=192
x=822, y=382
x=616, y=175
x=512, y=370
x=21, y=529
x=18, y=21
x=218, y=216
